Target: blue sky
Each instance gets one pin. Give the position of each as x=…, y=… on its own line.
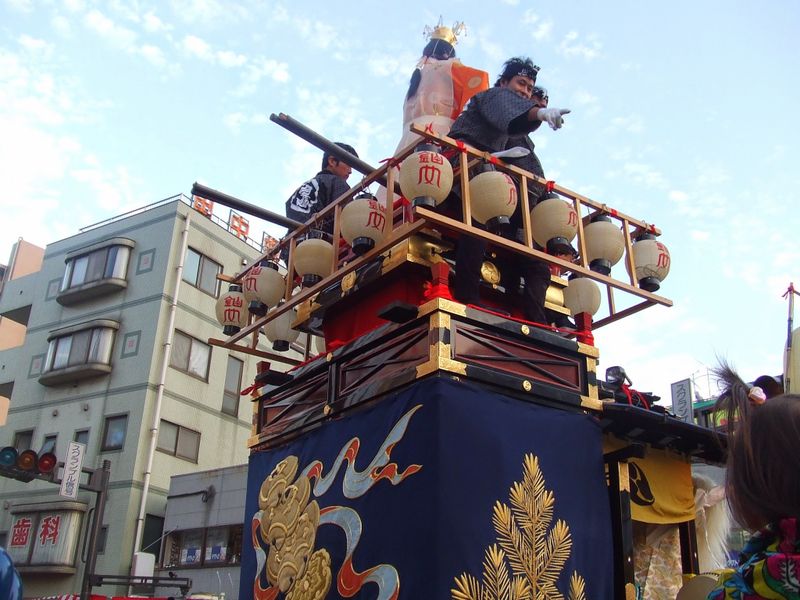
x=684, y=115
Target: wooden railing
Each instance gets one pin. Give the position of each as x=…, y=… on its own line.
x=399, y=229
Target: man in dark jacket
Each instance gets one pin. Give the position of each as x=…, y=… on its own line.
x=322, y=189
x=489, y=121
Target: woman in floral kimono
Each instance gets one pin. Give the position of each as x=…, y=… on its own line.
x=763, y=488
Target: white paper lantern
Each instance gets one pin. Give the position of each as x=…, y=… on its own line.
x=363, y=223
x=493, y=199
x=426, y=177
x=279, y=330
x=554, y=224
x=264, y=287
x=313, y=260
x=231, y=310
x=582, y=295
x=605, y=244
x=652, y=262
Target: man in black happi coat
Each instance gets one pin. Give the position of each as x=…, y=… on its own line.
x=490, y=119
x=319, y=191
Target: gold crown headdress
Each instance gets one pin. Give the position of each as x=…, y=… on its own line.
x=447, y=34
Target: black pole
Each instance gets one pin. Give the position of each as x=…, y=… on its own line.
x=323, y=143
x=101, y=486
x=201, y=190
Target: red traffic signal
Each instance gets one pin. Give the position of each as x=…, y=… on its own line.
x=27, y=464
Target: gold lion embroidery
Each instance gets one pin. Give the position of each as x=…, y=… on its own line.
x=289, y=525
x=529, y=555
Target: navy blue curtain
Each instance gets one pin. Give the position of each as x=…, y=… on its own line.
x=409, y=493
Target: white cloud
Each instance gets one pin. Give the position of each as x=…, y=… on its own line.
x=629, y=123
x=117, y=35
x=571, y=45
x=543, y=31
x=35, y=45
x=678, y=196
x=23, y=6
x=584, y=98
x=197, y=47
x=208, y=11
x=699, y=236
x=644, y=174
x=258, y=69
x=529, y=17
x=234, y=121
x=226, y=58
x=62, y=25
x=75, y=5
x=319, y=33
x=112, y=187
x=153, y=55
x=398, y=67
x=153, y=24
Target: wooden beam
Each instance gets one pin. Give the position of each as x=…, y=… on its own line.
x=254, y=352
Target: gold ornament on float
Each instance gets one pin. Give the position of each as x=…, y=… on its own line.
x=524, y=530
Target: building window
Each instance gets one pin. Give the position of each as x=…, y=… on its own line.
x=98, y=269
x=23, y=440
x=233, y=385
x=114, y=432
x=178, y=441
x=190, y=355
x=49, y=444
x=101, y=539
x=82, y=437
x=201, y=272
x=151, y=535
x=79, y=352
x=214, y=547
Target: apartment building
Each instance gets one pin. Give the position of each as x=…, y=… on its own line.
x=115, y=355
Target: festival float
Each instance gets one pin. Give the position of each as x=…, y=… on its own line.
x=430, y=449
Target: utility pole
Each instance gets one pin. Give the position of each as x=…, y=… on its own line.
x=98, y=482
x=790, y=293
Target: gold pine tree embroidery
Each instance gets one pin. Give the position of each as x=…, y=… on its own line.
x=530, y=554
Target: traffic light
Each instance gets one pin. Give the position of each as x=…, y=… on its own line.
x=27, y=465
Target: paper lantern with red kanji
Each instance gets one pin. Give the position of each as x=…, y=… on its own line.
x=264, y=287
x=605, y=244
x=493, y=199
x=652, y=262
x=554, y=224
x=363, y=223
x=232, y=310
x=426, y=176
